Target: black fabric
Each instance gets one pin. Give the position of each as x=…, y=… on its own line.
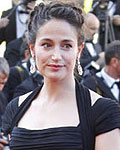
x=118, y=84
x=86, y=58
x=9, y=114
x=102, y=117
x=16, y=77
x=106, y=115
x=3, y=104
x=9, y=32
x=98, y=85
x=12, y=53
x=117, y=28
x=33, y=81
x=84, y=103
x=61, y=138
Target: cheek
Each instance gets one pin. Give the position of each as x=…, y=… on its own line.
x=71, y=60
x=41, y=59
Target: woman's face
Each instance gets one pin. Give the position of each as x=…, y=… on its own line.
x=56, y=49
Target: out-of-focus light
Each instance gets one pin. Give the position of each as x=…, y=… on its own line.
x=6, y=4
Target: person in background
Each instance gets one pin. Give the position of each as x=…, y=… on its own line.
x=106, y=82
x=64, y=114
x=4, y=73
x=3, y=22
x=35, y=80
x=92, y=52
x=16, y=21
x=13, y=48
x=105, y=11
x=116, y=20
x=19, y=72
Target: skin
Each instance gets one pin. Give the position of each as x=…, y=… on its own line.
x=3, y=80
x=113, y=68
x=4, y=22
x=91, y=27
x=55, y=52
x=58, y=42
x=62, y=76
x=2, y=141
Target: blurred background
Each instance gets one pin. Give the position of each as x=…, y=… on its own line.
x=4, y=5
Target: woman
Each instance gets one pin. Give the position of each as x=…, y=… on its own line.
x=60, y=114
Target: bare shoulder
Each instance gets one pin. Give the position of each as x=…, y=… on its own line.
x=94, y=97
x=23, y=97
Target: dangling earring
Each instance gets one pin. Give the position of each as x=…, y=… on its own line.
x=33, y=66
x=80, y=70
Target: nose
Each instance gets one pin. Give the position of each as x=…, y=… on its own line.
x=56, y=54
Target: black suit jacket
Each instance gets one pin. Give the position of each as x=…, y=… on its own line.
x=16, y=77
x=98, y=85
x=33, y=81
x=117, y=28
x=12, y=53
x=86, y=58
x=9, y=32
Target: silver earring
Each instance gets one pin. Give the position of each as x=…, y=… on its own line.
x=33, y=66
x=80, y=70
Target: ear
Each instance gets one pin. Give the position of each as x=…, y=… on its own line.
x=80, y=48
x=32, y=50
x=114, y=62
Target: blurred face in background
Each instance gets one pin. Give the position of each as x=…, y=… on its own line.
x=91, y=26
x=3, y=80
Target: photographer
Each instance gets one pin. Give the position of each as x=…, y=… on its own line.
x=116, y=20
x=16, y=20
x=104, y=10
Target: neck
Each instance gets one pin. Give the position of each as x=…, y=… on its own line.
x=55, y=90
x=111, y=72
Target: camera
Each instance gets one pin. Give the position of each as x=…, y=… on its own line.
x=99, y=8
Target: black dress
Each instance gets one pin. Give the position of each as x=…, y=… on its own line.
x=95, y=119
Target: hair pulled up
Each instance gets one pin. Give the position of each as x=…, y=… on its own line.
x=64, y=10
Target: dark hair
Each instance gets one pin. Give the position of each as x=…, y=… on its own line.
x=112, y=50
x=55, y=10
x=25, y=2
x=24, y=46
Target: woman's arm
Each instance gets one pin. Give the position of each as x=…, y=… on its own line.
x=108, y=141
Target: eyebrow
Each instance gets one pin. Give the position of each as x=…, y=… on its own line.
x=65, y=40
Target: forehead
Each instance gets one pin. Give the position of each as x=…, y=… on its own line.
x=57, y=27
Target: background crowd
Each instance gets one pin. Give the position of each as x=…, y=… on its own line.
x=100, y=57
x=102, y=27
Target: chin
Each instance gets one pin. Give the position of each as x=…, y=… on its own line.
x=55, y=77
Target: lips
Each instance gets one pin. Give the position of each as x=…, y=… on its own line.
x=55, y=66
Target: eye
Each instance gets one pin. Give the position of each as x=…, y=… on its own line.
x=67, y=46
x=46, y=45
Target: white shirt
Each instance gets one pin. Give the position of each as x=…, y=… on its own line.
x=111, y=8
x=91, y=49
x=21, y=22
x=109, y=81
